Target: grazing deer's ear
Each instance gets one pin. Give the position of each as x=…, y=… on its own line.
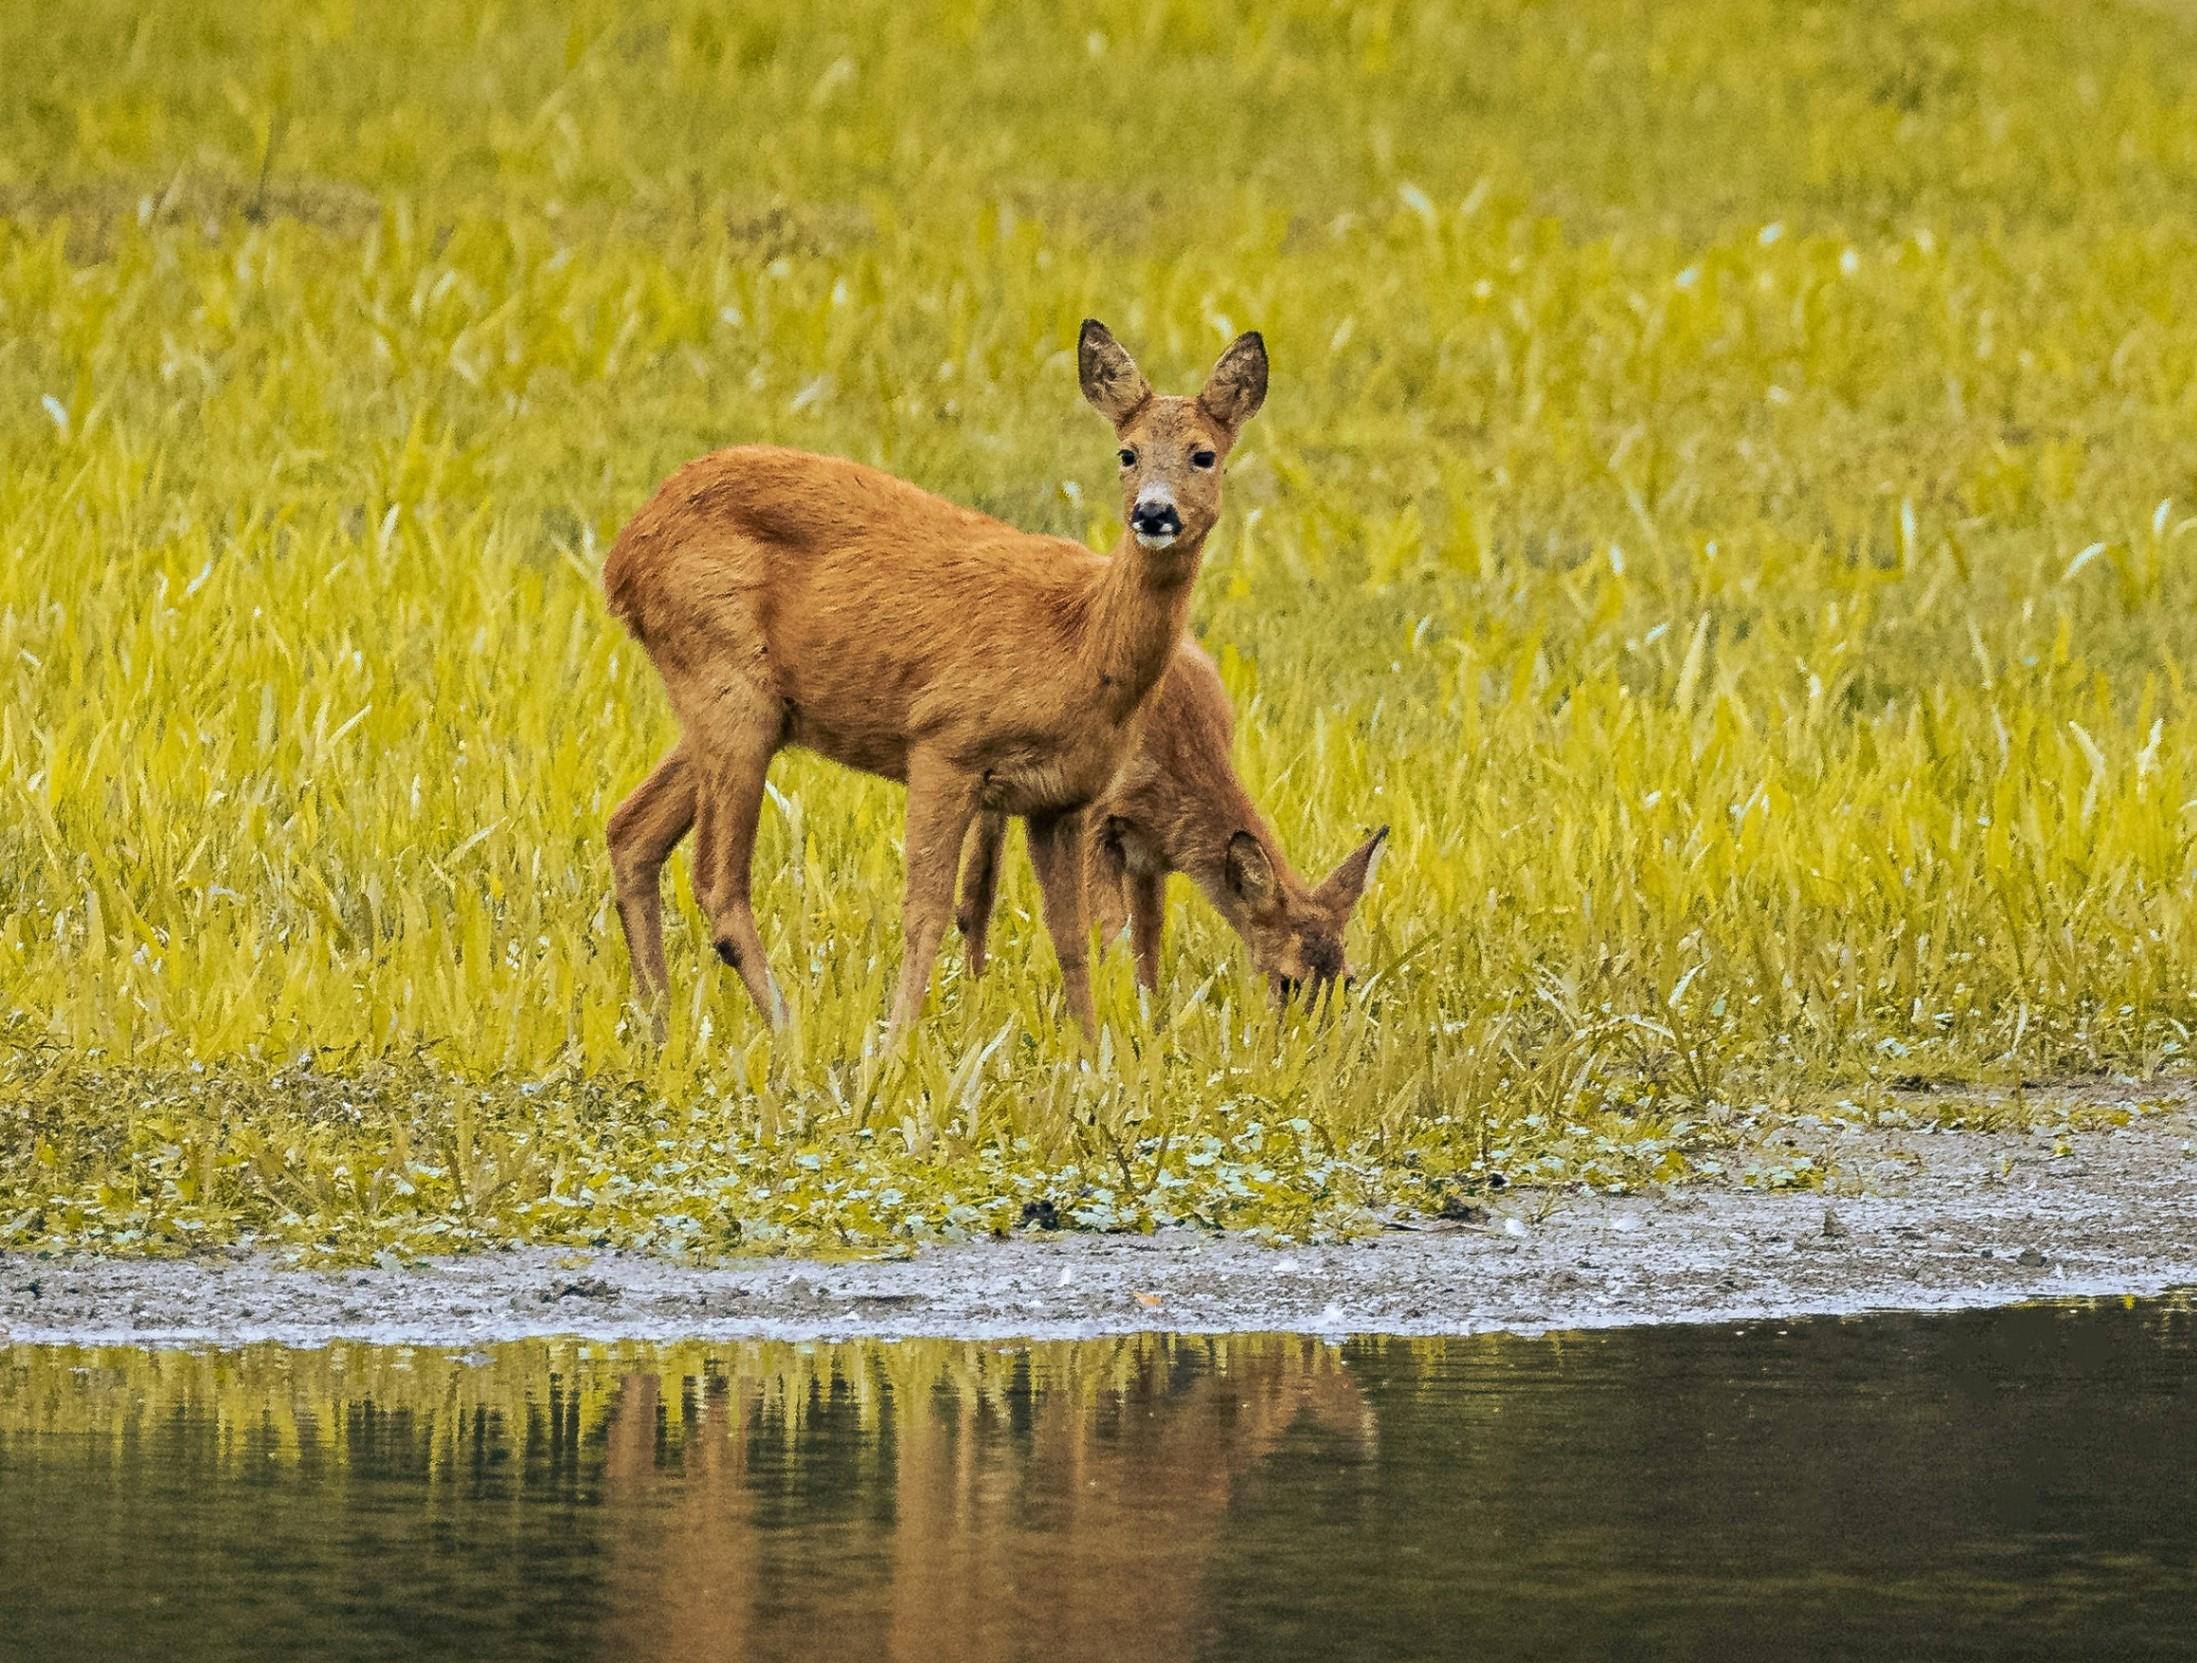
x=1237, y=386
x=1250, y=873
x=1111, y=380
x=1347, y=882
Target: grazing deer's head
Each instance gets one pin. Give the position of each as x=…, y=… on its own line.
x=1172, y=449
x=1295, y=933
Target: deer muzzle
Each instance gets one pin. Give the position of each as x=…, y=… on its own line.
x=1155, y=519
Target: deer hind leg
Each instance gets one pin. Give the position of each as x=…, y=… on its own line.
x=980, y=885
x=644, y=829
x=732, y=752
x=1056, y=854
x=941, y=799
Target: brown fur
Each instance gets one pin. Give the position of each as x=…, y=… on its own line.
x=1177, y=806
x=790, y=599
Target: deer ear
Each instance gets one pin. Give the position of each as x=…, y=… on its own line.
x=1343, y=886
x=1111, y=380
x=1237, y=386
x=1250, y=873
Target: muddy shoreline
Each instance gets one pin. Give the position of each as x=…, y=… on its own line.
x=1917, y=1220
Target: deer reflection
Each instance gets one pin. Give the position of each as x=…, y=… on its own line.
x=1078, y=1493
x=700, y=1548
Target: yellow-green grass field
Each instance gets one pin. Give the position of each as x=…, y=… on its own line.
x=1728, y=499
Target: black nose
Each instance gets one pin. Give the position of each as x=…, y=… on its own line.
x=1156, y=522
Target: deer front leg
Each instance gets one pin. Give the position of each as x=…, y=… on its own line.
x=980, y=885
x=1105, y=871
x=1147, y=923
x=1056, y=855
x=941, y=798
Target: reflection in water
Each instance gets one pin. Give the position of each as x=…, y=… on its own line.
x=1996, y=1484
x=1076, y=1493
x=947, y=1500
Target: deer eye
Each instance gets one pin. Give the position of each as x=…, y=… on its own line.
x=1202, y=459
x=1128, y=458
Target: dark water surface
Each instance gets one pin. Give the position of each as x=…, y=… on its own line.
x=2004, y=1484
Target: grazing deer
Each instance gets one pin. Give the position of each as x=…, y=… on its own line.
x=790, y=599
x=1177, y=806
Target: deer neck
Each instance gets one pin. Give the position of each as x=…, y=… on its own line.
x=1138, y=615
x=1198, y=846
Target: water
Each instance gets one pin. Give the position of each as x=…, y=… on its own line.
x=2003, y=1484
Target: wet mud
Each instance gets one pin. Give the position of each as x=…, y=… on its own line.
x=1912, y=1220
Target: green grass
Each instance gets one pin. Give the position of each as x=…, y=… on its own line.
x=1728, y=499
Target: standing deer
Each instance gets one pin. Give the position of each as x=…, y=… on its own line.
x=791, y=599
x=1177, y=806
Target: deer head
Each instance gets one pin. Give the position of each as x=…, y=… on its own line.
x=1172, y=449
x=1295, y=934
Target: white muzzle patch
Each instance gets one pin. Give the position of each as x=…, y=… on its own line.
x=1152, y=504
